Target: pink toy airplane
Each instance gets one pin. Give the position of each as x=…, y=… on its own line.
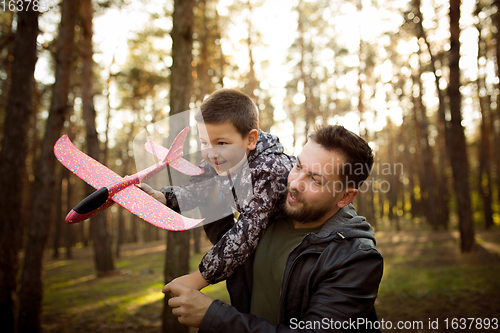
x=113, y=188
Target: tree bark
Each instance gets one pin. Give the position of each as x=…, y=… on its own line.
x=59, y=220
x=485, y=180
x=68, y=231
x=308, y=113
x=177, y=254
x=458, y=147
x=442, y=199
x=204, y=40
x=409, y=167
x=121, y=217
x=252, y=80
x=13, y=159
x=7, y=46
x=222, y=59
x=496, y=115
x=31, y=293
x=393, y=177
x=101, y=241
x=427, y=182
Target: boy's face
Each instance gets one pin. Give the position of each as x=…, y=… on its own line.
x=223, y=147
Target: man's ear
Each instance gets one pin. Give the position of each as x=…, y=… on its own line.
x=252, y=139
x=348, y=197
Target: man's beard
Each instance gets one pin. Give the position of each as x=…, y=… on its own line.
x=306, y=213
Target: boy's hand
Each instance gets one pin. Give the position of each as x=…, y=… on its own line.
x=155, y=194
x=146, y=188
x=194, y=281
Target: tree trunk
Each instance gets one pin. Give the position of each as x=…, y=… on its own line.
x=177, y=254
x=204, y=40
x=427, y=183
x=496, y=115
x=442, y=199
x=197, y=240
x=42, y=206
x=458, y=148
x=360, y=202
x=222, y=59
x=13, y=159
x=7, y=46
x=33, y=148
x=252, y=80
x=121, y=223
x=59, y=220
x=393, y=177
x=409, y=166
x=309, y=118
x=68, y=231
x=370, y=199
x=103, y=257
x=484, y=181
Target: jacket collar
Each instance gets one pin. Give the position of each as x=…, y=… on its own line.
x=266, y=144
x=344, y=224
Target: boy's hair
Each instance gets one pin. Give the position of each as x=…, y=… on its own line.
x=229, y=105
x=356, y=151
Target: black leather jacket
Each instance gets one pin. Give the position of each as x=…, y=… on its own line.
x=330, y=280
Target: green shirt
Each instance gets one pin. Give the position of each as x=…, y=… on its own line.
x=279, y=239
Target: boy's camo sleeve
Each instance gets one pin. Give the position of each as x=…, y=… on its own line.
x=191, y=195
x=237, y=244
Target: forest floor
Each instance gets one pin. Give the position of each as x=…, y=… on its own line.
x=427, y=283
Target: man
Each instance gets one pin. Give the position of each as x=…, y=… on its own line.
x=315, y=269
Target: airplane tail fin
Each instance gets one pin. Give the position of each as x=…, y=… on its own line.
x=177, y=146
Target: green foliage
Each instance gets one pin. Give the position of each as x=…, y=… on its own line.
x=143, y=81
x=423, y=271
x=426, y=276
x=76, y=300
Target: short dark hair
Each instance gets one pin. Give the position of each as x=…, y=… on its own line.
x=230, y=105
x=356, y=151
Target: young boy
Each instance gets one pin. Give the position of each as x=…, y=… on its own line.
x=228, y=127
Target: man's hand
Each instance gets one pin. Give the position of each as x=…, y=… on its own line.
x=189, y=305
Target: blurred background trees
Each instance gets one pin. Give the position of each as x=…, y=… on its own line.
x=19, y=102
x=417, y=79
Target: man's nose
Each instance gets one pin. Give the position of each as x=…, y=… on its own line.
x=297, y=182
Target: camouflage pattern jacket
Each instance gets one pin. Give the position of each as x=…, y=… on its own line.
x=268, y=168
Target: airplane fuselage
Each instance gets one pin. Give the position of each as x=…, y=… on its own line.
x=101, y=198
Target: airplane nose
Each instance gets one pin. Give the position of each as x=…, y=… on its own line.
x=72, y=217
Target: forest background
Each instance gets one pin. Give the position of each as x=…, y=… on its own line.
x=419, y=80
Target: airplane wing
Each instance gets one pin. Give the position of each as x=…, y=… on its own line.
x=131, y=198
x=92, y=172
x=153, y=211
x=179, y=164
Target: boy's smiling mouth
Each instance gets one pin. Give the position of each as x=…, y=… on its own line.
x=218, y=161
